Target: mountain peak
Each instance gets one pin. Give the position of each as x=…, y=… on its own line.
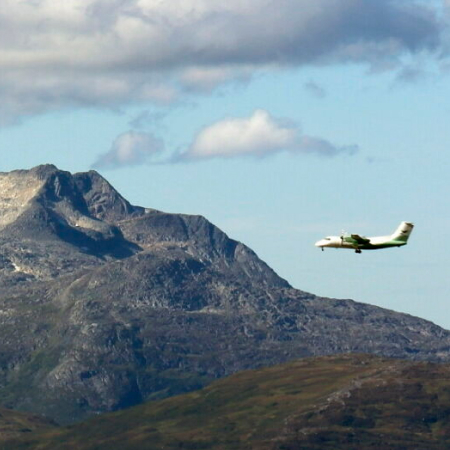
x=43, y=170
x=46, y=205
x=102, y=200
x=83, y=194
x=18, y=188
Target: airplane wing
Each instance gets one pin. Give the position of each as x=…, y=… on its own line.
x=360, y=240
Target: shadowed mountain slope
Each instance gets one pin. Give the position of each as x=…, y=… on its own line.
x=104, y=304
x=352, y=402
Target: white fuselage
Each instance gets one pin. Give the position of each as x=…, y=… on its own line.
x=340, y=242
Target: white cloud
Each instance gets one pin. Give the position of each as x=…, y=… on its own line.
x=256, y=136
x=105, y=53
x=129, y=149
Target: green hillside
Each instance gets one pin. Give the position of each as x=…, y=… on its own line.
x=14, y=424
x=349, y=401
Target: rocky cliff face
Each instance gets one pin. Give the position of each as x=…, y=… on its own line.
x=104, y=304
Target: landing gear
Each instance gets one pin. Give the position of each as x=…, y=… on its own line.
x=358, y=250
x=322, y=249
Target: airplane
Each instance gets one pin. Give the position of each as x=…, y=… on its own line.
x=358, y=243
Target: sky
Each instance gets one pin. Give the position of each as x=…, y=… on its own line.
x=280, y=121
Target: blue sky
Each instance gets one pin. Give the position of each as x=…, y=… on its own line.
x=281, y=122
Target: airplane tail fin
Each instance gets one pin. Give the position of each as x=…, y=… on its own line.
x=403, y=231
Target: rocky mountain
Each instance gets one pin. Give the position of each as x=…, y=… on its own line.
x=351, y=402
x=104, y=304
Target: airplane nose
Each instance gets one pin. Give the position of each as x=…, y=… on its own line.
x=319, y=243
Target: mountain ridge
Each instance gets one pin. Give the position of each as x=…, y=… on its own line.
x=104, y=304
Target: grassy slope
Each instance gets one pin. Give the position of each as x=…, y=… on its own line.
x=330, y=402
x=14, y=424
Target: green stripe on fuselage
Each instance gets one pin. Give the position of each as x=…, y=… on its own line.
x=355, y=244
